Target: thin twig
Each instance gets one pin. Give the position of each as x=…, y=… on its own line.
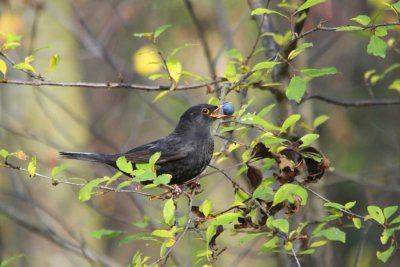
x=111, y=85
x=55, y=180
x=355, y=103
x=295, y=257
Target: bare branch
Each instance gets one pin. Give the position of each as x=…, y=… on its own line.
x=110, y=85
x=355, y=103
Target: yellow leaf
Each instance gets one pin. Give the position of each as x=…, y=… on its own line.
x=175, y=70
x=146, y=61
x=32, y=167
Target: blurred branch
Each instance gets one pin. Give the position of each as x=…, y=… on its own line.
x=334, y=29
x=50, y=234
x=202, y=36
x=56, y=181
x=265, y=25
x=110, y=85
x=355, y=103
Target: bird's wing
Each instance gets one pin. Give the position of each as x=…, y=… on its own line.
x=169, y=152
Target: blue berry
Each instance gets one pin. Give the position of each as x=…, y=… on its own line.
x=228, y=109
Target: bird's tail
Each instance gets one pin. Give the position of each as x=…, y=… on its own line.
x=94, y=157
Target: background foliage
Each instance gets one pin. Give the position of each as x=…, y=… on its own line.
x=93, y=41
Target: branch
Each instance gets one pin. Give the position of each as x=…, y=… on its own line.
x=58, y=181
x=355, y=103
x=110, y=85
x=334, y=29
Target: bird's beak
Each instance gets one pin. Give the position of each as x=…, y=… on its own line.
x=216, y=113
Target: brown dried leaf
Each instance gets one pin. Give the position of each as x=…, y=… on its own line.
x=254, y=176
x=260, y=151
x=20, y=155
x=212, y=245
x=287, y=171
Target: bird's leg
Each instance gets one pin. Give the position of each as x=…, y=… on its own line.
x=195, y=186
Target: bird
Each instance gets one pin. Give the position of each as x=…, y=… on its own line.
x=185, y=152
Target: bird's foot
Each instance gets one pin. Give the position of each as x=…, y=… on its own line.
x=194, y=186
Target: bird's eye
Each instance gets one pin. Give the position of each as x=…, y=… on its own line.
x=205, y=111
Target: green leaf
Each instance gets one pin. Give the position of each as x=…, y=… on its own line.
x=362, y=19
x=376, y=214
x=289, y=122
x=12, y=41
x=85, y=193
x=377, y=47
x=169, y=212
x=395, y=220
x=32, y=167
x=320, y=120
x=4, y=153
x=123, y=184
x=263, y=191
x=389, y=211
x=319, y=72
x=226, y=218
x=153, y=159
x=160, y=95
x=287, y=192
x=294, y=53
x=385, y=255
x=235, y=54
x=262, y=11
x=385, y=236
x=307, y=252
x=106, y=233
x=282, y=225
x=350, y=29
x=308, y=4
x=382, y=31
x=211, y=230
x=395, y=85
x=230, y=73
x=206, y=207
x=357, y=223
x=162, y=179
x=58, y=169
x=270, y=245
x=124, y=165
x=143, y=34
x=5, y=262
x=174, y=67
x=24, y=66
x=53, y=63
x=296, y=89
x=318, y=243
x=3, y=67
x=161, y=29
x=349, y=205
x=333, y=234
x=135, y=237
x=334, y=205
x=265, y=110
x=265, y=65
x=163, y=233
x=308, y=139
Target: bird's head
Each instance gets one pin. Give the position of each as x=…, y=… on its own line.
x=200, y=116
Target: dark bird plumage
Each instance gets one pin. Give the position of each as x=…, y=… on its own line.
x=185, y=152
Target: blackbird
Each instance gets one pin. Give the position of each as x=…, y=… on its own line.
x=185, y=152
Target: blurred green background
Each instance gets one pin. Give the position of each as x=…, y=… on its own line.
x=95, y=43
